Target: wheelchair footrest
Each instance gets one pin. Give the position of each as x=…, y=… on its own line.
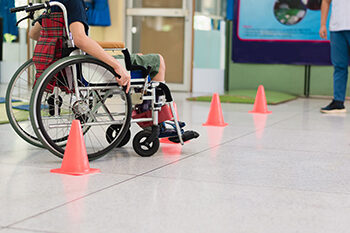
x=186, y=136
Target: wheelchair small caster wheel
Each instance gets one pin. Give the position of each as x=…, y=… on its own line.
x=52, y=102
x=143, y=148
x=113, y=131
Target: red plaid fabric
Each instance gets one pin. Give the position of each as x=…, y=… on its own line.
x=49, y=46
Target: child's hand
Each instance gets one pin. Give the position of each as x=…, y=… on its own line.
x=124, y=79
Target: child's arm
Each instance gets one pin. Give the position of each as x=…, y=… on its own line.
x=88, y=45
x=34, y=32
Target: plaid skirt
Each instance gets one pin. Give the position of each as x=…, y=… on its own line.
x=50, y=44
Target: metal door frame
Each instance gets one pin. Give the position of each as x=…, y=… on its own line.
x=185, y=12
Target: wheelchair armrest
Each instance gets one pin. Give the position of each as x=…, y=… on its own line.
x=131, y=67
x=111, y=45
x=166, y=90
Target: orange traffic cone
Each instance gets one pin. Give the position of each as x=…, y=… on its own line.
x=215, y=117
x=75, y=160
x=260, y=105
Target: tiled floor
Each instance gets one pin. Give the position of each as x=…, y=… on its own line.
x=279, y=173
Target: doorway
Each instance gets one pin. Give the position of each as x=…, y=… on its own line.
x=164, y=27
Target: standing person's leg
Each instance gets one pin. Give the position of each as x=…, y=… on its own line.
x=340, y=61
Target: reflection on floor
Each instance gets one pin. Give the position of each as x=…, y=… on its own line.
x=283, y=172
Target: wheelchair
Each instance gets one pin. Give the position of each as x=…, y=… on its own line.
x=81, y=87
x=17, y=98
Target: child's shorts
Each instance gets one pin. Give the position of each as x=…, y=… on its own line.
x=151, y=60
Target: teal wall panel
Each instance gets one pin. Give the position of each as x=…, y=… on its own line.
x=207, y=48
x=284, y=78
x=321, y=81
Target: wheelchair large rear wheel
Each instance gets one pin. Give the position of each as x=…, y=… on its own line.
x=18, y=95
x=83, y=88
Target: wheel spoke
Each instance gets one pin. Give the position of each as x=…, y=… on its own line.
x=98, y=110
x=20, y=88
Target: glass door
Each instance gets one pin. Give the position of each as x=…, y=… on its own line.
x=164, y=27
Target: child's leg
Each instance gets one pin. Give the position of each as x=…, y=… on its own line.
x=160, y=77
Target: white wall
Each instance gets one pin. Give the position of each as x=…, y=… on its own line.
x=209, y=61
x=14, y=55
x=208, y=81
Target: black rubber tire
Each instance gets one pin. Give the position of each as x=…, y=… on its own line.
x=125, y=140
x=142, y=149
x=27, y=134
x=114, y=129
x=39, y=90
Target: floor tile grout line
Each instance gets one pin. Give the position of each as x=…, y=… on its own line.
x=27, y=229
x=71, y=201
x=228, y=141
x=199, y=152
x=251, y=185
x=273, y=124
x=118, y=183
x=290, y=150
x=141, y=174
x=48, y=168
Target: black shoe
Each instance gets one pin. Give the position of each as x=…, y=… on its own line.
x=186, y=136
x=334, y=107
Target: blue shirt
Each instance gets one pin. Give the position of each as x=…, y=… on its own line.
x=76, y=10
x=8, y=19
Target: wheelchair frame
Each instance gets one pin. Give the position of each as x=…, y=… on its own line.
x=144, y=89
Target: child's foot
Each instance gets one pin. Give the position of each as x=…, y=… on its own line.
x=181, y=123
x=165, y=131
